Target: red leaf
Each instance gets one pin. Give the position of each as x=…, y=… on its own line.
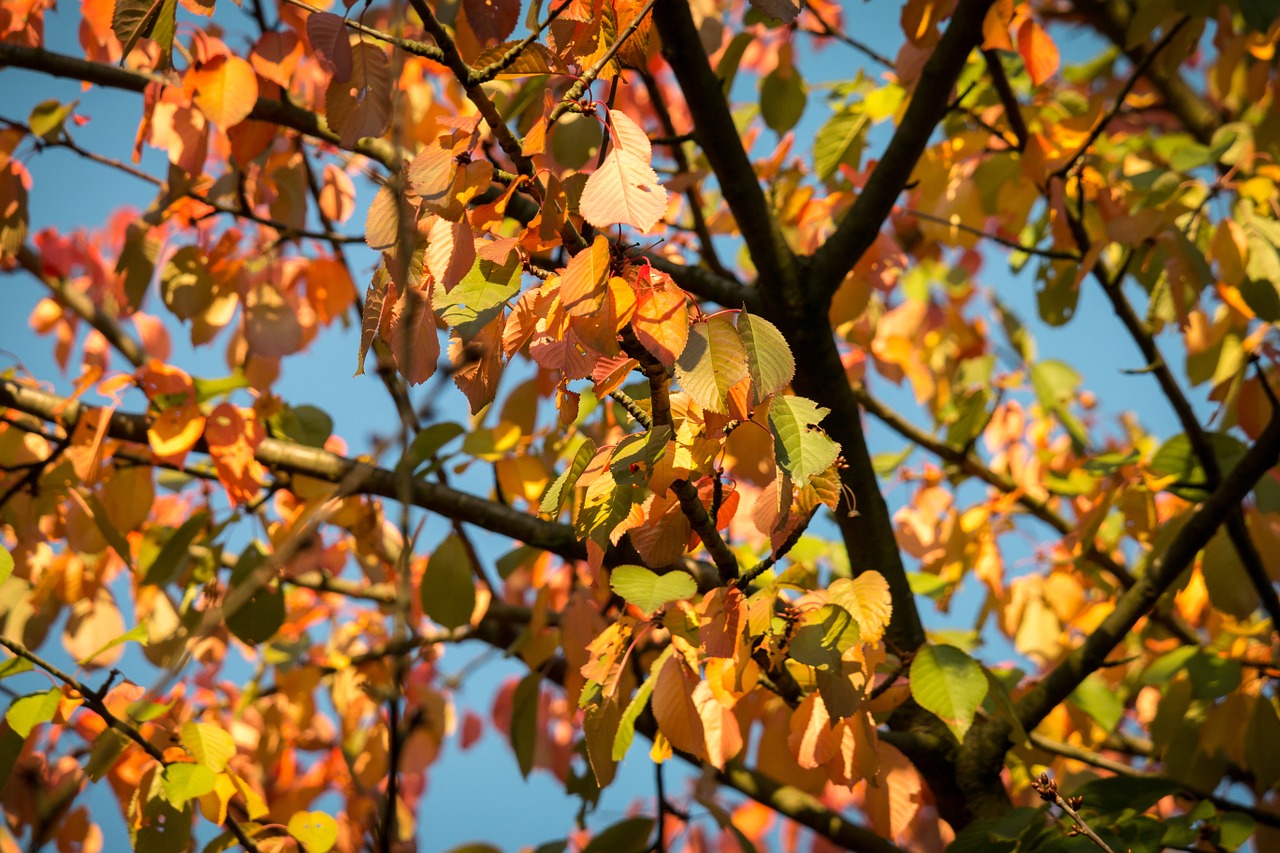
x=1038, y=51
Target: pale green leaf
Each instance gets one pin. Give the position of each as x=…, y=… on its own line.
x=136, y=634
x=184, y=782
x=481, y=295
x=648, y=590
x=6, y=565
x=210, y=745
x=823, y=635
x=840, y=142
x=949, y=684
x=802, y=449
x=713, y=361
x=27, y=712
x=769, y=358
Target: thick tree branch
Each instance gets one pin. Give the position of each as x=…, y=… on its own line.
x=718, y=136
x=290, y=458
x=1055, y=687
x=860, y=225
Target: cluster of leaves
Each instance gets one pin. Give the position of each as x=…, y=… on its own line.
x=660, y=435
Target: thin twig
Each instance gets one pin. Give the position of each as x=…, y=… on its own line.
x=1048, y=790
x=589, y=76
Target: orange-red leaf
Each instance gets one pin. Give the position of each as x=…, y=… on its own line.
x=1038, y=51
x=224, y=89
x=662, y=323
x=675, y=709
x=582, y=284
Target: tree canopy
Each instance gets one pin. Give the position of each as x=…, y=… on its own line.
x=652, y=313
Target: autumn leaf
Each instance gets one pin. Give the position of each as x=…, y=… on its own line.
x=713, y=361
x=332, y=43
x=625, y=188
x=360, y=106
x=1038, y=51
x=225, y=90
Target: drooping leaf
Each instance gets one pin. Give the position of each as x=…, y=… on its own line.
x=1038, y=51
x=225, y=89
x=258, y=611
x=802, y=448
x=627, y=724
x=6, y=564
x=137, y=19
x=625, y=189
x=185, y=283
x=331, y=41
x=839, y=142
x=208, y=744
x=822, y=636
x=629, y=835
x=361, y=106
x=713, y=361
x=674, y=708
x=448, y=589
x=769, y=358
x=949, y=684
x=524, y=720
x=649, y=590
x=783, y=95
x=186, y=782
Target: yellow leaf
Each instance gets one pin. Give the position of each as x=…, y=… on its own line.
x=225, y=90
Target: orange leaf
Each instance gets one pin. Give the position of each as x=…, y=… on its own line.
x=337, y=194
x=625, y=188
x=224, y=89
x=721, y=733
x=413, y=339
x=675, y=709
x=176, y=430
x=662, y=322
x=330, y=289
x=582, y=284
x=1038, y=51
x=276, y=55
x=995, y=26
x=232, y=439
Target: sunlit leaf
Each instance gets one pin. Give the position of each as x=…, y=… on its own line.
x=447, y=589
x=648, y=590
x=949, y=684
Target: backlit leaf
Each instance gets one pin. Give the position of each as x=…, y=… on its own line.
x=361, y=106
x=949, y=684
x=209, y=744
x=769, y=358
x=625, y=188
x=802, y=448
x=649, y=590
x=225, y=89
x=839, y=142
x=317, y=832
x=1038, y=51
x=674, y=708
x=713, y=361
x=331, y=41
x=185, y=782
x=27, y=712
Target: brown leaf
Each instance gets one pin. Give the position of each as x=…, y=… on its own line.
x=361, y=105
x=331, y=42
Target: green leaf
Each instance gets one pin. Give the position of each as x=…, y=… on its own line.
x=479, y=297
x=184, y=782
x=1164, y=668
x=208, y=744
x=731, y=58
x=1175, y=458
x=136, y=634
x=136, y=19
x=1262, y=297
x=1057, y=293
x=1098, y=699
x=30, y=711
x=186, y=285
x=317, y=832
x=305, y=425
x=769, y=359
x=137, y=262
x=427, y=443
x=885, y=464
x=968, y=418
x=11, y=744
x=1212, y=677
x=823, y=635
x=714, y=360
x=448, y=590
x=627, y=724
x=107, y=749
x=524, y=721
x=15, y=666
x=1262, y=743
x=6, y=565
x=626, y=836
x=949, y=684
x=1119, y=793
x=207, y=389
x=176, y=552
x=558, y=492
x=167, y=829
x=1234, y=829
x=782, y=99
x=802, y=449
x=840, y=142
x=648, y=590
x=257, y=617
x=48, y=117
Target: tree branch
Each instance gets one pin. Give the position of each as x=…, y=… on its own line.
x=1055, y=687
x=718, y=136
x=860, y=225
